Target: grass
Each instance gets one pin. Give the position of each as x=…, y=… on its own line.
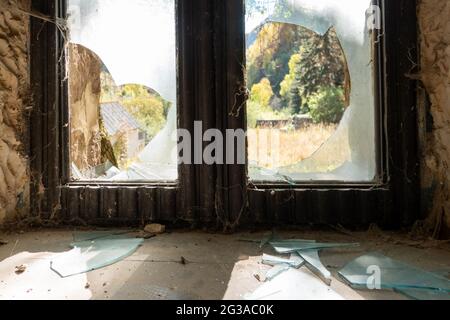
x=273, y=148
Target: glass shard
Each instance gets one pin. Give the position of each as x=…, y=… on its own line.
x=295, y=261
x=393, y=275
x=87, y=256
x=276, y=271
x=290, y=246
x=294, y=285
x=423, y=294
x=314, y=264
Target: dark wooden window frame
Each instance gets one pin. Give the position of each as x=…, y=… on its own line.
x=211, y=52
x=393, y=201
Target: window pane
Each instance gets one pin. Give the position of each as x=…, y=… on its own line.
x=122, y=90
x=311, y=110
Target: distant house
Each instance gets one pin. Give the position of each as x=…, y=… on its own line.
x=119, y=123
x=298, y=121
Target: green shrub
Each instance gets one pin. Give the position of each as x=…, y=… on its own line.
x=327, y=105
x=148, y=108
x=262, y=93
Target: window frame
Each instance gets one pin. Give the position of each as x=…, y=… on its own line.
x=381, y=153
x=68, y=180
x=211, y=49
x=394, y=200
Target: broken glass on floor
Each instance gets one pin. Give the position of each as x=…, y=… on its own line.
x=295, y=261
x=376, y=270
x=290, y=246
x=420, y=294
x=276, y=271
x=294, y=285
x=316, y=266
x=91, y=255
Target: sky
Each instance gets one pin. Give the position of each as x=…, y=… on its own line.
x=347, y=15
x=135, y=39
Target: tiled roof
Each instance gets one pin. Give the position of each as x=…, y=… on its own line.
x=116, y=118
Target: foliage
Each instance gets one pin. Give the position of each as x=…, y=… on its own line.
x=253, y=113
x=297, y=62
x=318, y=64
x=322, y=65
x=119, y=149
x=269, y=55
x=289, y=93
x=262, y=93
x=259, y=105
x=259, y=101
x=146, y=106
x=286, y=84
x=327, y=105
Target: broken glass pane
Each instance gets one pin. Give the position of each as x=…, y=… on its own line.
x=295, y=261
x=294, y=285
x=392, y=275
x=311, y=110
x=87, y=256
x=290, y=246
x=122, y=90
x=421, y=294
x=314, y=264
x=276, y=271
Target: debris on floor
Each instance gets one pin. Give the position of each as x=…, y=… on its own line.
x=21, y=269
x=378, y=271
x=155, y=228
x=295, y=261
x=97, y=235
x=359, y=274
x=276, y=271
x=101, y=250
x=262, y=242
x=161, y=293
x=308, y=251
x=280, y=279
x=312, y=259
x=290, y=246
x=420, y=294
x=146, y=236
x=3, y=242
x=294, y=285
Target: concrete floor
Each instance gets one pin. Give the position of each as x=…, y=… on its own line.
x=218, y=266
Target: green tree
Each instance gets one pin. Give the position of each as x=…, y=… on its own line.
x=146, y=106
x=259, y=103
x=262, y=93
x=322, y=65
x=286, y=84
x=290, y=93
x=269, y=55
x=327, y=105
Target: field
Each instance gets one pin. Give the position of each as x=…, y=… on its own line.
x=272, y=148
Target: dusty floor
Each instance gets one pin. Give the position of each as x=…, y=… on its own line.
x=218, y=266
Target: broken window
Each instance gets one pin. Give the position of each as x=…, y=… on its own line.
x=311, y=107
x=122, y=90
